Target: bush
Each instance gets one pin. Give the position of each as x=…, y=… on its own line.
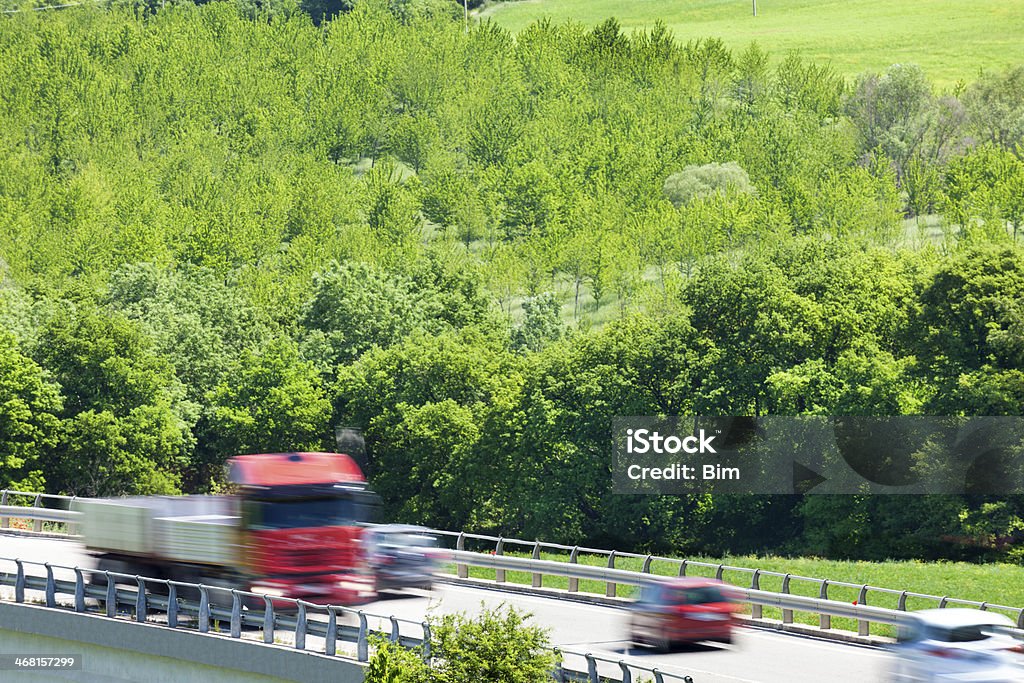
x=702, y=181
x=392, y=663
x=496, y=646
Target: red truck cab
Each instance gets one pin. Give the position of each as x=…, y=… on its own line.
x=301, y=525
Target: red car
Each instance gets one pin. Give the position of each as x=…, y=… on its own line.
x=683, y=610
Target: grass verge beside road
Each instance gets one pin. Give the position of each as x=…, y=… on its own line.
x=996, y=583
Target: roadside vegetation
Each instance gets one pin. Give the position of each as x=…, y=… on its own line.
x=496, y=645
x=229, y=229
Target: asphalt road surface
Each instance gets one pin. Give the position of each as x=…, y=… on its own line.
x=756, y=655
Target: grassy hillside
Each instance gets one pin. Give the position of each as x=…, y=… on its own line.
x=950, y=39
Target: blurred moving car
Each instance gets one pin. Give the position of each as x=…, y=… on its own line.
x=684, y=610
x=401, y=556
x=958, y=644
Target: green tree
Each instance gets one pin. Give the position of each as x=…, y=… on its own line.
x=995, y=107
x=356, y=307
x=125, y=426
x=701, y=181
x=29, y=427
x=542, y=323
x=198, y=322
x=967, y=330
x=423, y=405
x=273, y=402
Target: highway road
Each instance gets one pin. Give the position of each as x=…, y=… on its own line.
x=756, y=655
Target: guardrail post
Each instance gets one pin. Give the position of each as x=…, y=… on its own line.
x=71, y=528
x=609, y=590
x=658, y=677
x=943, y=601
x=538, y=579
x=863, y=625
x=426, y=641
x=901, y=604
x=268, y=620
x=574, y=557
x=1020, y=618
x=984, y=607
x=37, y=525
x=172, y=605
x=111, y=596
x=720, y=572
x=682, y=568
x=51, y=588
x=300, y=627
x=330, y=640
x=5, y=522
x=79, y=591
x=461, y=570
x=236, y=614
x=787, y=614
x=395, y=634
x=646, y=569
x=19, y=582
x=499, y=549
x=824, y=620
x=559, y=673
x=362, y=646
x=204, y=609
x=756, y=610
x=592, y=668
x=627, y=677
x=140, y=600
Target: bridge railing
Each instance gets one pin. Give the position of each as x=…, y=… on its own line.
x=51, y=508
x=626, y=672
x=208, y=608
x=743, y=577
x=212, y=609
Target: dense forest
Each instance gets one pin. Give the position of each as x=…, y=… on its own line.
x=229, y=228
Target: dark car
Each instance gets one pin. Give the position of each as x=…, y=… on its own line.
x=683, y=610
x=401, y=556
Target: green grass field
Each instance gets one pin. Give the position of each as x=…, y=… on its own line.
x=950, y=39
x=1001, y=584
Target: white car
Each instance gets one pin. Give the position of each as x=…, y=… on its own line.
x=958, y=645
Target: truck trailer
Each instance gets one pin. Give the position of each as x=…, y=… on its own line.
x=292, y=527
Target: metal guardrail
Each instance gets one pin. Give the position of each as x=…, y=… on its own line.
x=821, y=605
x=144, y=598
x=37, y=514
x=626, y=670
x=678, y=567
x=37, y=502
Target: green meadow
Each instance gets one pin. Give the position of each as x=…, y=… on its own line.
x=951, y=40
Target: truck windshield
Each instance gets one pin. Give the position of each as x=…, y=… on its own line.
x=291, y=514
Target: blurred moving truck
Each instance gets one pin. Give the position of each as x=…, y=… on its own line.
x=291, y=528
